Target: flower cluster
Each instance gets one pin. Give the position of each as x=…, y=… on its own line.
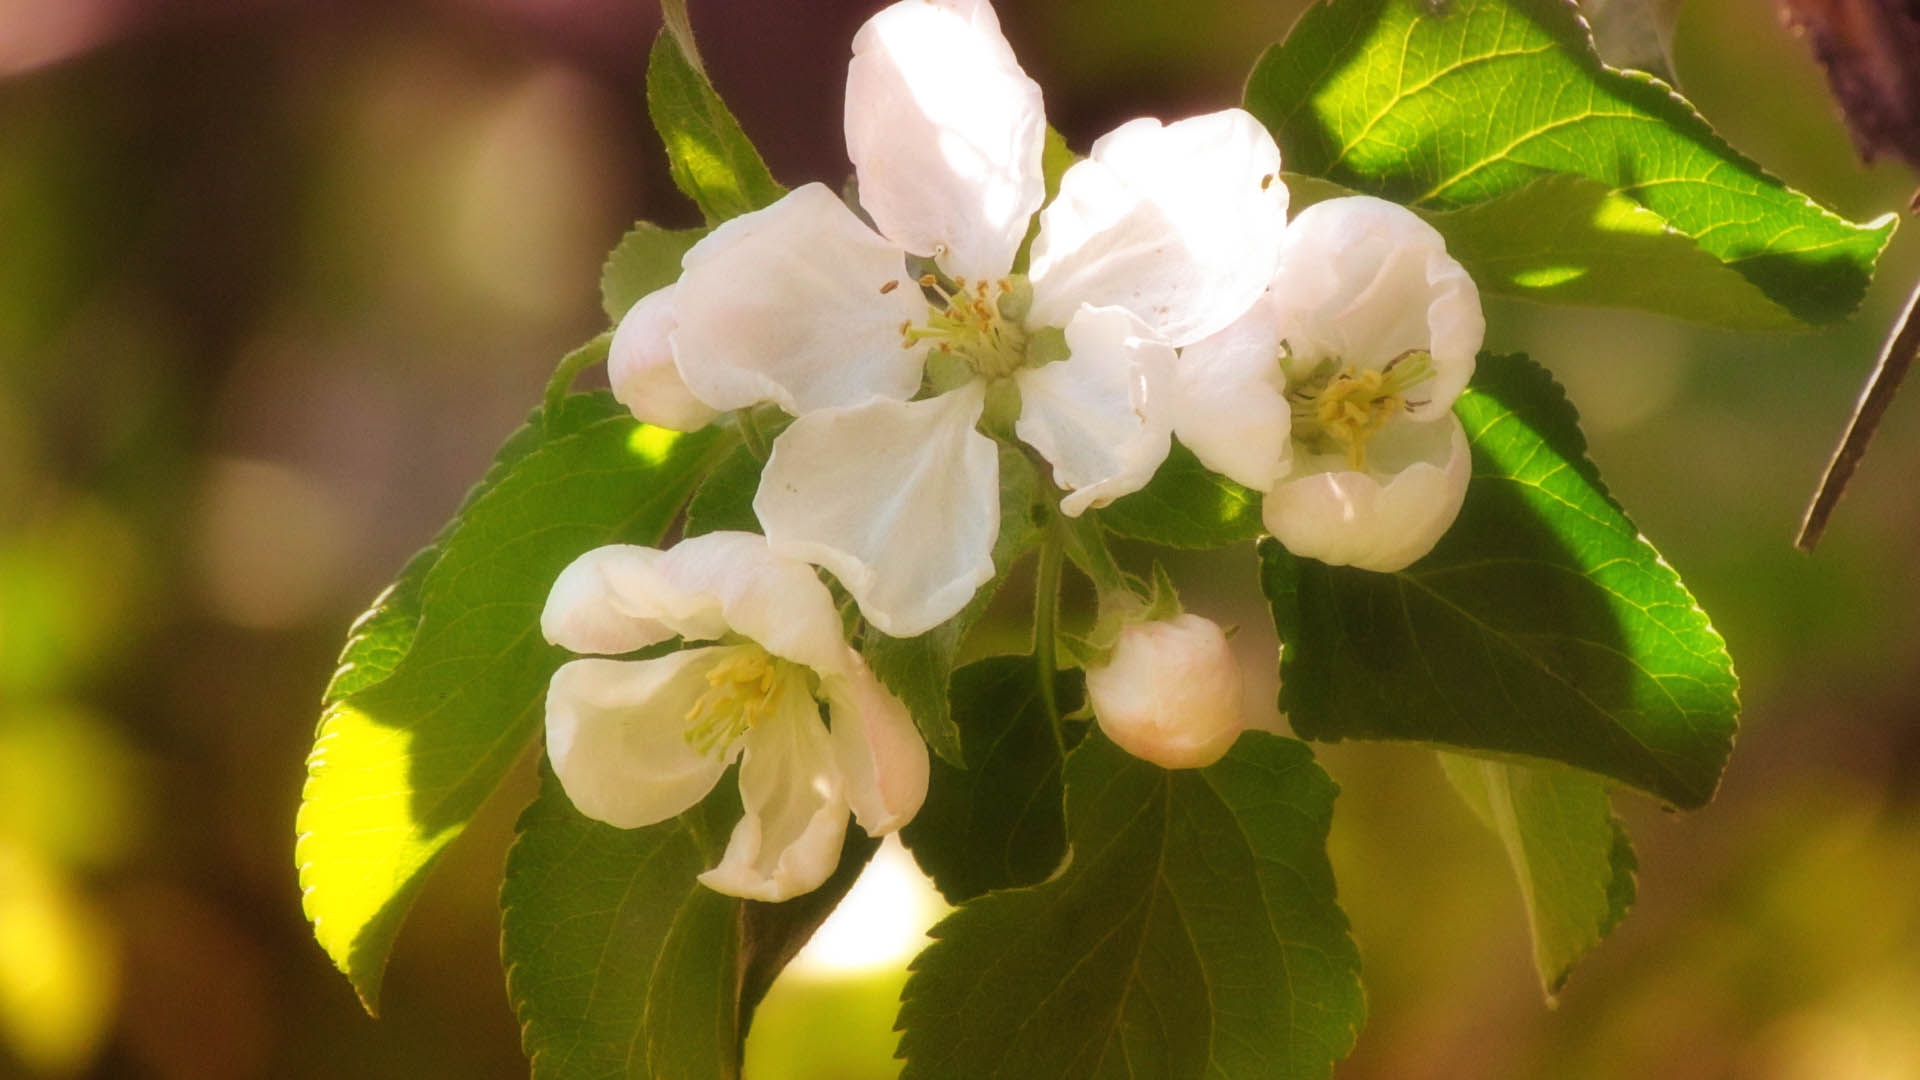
x=956, y=315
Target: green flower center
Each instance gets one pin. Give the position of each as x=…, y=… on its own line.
x=1340, y=408
x=978, y=323
x=742, y=689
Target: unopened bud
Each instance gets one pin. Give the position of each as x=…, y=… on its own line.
x=1170, y=693
x=640, y=367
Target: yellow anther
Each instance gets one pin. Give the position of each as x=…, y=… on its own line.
x=1348, y=407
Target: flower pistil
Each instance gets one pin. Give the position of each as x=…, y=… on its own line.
x=1340, y=405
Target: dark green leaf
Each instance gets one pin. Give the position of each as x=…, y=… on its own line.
x=620, y=963
x=1193, y=933
x=646, y=259
x=919, y=668
x=724, y=501
x=403, y=761
x=711, y=159
x=1186, y=505
x=1541, y=624
x=1570, y=855
x=1452, y=105
x=997, y=823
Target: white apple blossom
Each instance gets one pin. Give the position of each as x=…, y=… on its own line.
x=1170, y=693
x=641, y=370
x=1334, y=393
x=889, y=342
x=635, y=742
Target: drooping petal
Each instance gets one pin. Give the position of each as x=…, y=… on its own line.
x=945, y=134
x=1170, y=693
x=1366, y=280
x=883, y=761
x=1179, y=224
x=1229, y=401
x=616, y=733
x=788, y=840
x=900, y=500
x=613, y=600
x=1102, y=416
x=640, y=367
x=799, y=304
x=774, y=601
x=1383, y=519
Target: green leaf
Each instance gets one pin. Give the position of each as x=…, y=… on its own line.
x=442, y=686
x=1567, y=240
x=620, y=963
x=646, y=259
x=1193, y=933
x=710, y=157
x=1570, y=855
x=1186, y=505
x=724, y=501
x=999, y=822
x=1541, y=624
x=918, y=669
x=1452, y=105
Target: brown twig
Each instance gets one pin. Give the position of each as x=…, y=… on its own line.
x=1902, y=347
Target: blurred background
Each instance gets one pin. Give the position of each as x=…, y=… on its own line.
x=276, y=277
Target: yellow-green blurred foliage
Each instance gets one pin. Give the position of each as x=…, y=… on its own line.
x=276, y=277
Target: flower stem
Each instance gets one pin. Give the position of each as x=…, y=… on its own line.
x=750, y=430
x=1046, y=616
x=569, y=369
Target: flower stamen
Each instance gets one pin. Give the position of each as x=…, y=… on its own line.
x=1339, y=405
x=975, y=321
x=740, y=692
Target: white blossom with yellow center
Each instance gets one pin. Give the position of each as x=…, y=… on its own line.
x=1334, y=393
x=886, y=342
x=636, y=742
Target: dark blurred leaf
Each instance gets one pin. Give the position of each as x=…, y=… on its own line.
x=725, y=499
x=711, y=159
x=1870, y=50
x=997, y=823
x=917, y=669
x=620, y=963
x=1451, y=105
x=1186, y=505
x=646, y=259
x=442, y=688
x=1570, y=855
x=1541, y=624
x=1193, y=933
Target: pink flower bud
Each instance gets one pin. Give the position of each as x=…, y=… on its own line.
x=1170, y=694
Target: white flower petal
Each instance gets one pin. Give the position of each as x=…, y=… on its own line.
x=793, y=304
x=1365, y=280
x=1229, y=401
x=788, y=840
x=1101, y=417
x=774, y=601
x=1170, y=693
x=614, y=600
x=900, y=500
x=640, y=367
x=1179, y=224
x=616, y=733
x=883, y=761
x=945, y=133
x=1383, y=519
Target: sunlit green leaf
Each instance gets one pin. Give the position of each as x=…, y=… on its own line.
x=917, y=669
x=1541, y=624
x=620, y=963
x=441, y=686
x=646, y=259
x=997, y=823
x=1570, y=855
x=1449, y=105
x=1193, y=933
x=711, y=159
x=1186, y=505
